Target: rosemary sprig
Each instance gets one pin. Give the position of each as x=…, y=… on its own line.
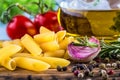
x=84, y=42
x=111, y=50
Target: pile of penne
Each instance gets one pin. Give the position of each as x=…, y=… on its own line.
x=29, y=52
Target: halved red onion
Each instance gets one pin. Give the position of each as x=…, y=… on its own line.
x=84, y=53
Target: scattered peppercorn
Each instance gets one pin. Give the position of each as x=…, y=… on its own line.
x=105, y=77
x=64, y=68
x=91, y=74
x=80, y=75
x=107, y=60
x=92, y=62
x=96, y=65
x=102, y=66
x=108, y=65
x=110, y=72
x=76, y=72
x=80, y=66
x=59, y=68
x=73, y=68
x=114, y=65
x=86, y=73
x=85, y=66
x=102, y=72
x=80, y=70
x=90, y=67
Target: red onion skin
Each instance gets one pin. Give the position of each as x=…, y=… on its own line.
x=84, y=53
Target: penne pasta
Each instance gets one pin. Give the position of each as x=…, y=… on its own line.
x=9, y=51
x=13, y=42
x=31, y=64
x=5, y=54
x=29, y=43
x=53, y=61
x=9, y=63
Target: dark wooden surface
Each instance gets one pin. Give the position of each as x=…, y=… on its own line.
x=51, y=74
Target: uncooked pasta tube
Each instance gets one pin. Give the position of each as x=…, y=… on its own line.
x=9, y=63
x=6, y=53
x=52, y=61
x=9, y=51
x=31, y=64
x=29, y=43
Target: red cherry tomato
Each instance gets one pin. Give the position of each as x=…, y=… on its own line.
x=20, y=25
x=48, y=20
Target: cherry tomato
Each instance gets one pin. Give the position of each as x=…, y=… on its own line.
x=48, y=20
x=20, y=25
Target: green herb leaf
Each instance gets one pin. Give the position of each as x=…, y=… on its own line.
x=110, y=49
x=84, y=42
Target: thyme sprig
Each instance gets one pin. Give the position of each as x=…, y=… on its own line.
x=111, y=50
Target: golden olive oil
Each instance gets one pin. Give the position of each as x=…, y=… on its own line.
x=100, y=23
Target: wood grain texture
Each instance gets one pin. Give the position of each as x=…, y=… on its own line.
x=51, y=74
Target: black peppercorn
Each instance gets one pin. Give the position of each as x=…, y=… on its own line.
x=64, y=68
x=80, y=66
x=90, y=67
x=86, y=72
x=96, y=65
x=73, y=68
x=59, y=68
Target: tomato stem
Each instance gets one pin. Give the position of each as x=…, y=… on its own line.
x=42, y=6
x=23, y=8
x=6, y=14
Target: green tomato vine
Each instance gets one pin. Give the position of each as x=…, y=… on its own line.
x=27, y=4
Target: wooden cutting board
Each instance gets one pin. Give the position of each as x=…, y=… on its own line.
x=51, y=74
